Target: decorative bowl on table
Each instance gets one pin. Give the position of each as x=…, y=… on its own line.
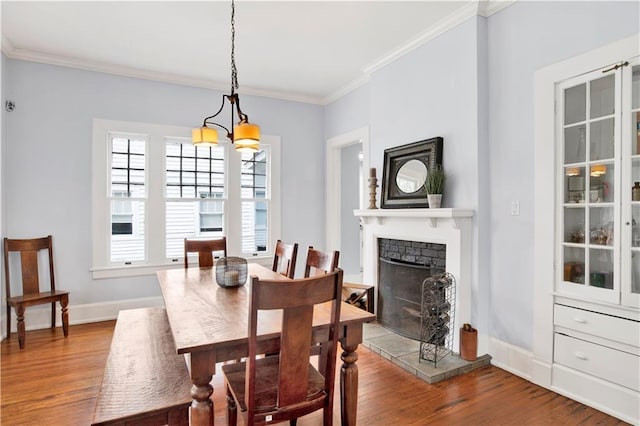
x=231, y=271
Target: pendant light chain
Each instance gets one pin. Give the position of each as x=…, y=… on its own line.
x=234, y=70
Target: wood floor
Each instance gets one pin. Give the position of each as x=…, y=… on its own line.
x=54, y=381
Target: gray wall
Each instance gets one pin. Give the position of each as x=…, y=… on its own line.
x=473, y=86
x=349, y=201
x=48, y=160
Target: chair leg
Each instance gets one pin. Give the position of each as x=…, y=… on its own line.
x=232, y=411
x=8, y=321
x=64, y=302
x=293, y=422
x=21, y=330
x=53, y=314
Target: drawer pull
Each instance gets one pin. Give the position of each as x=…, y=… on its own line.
x=580, y=320
x=581, y=355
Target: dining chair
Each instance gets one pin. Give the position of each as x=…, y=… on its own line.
x=205, y=249
x=285, y=254
x=32, y=293
x=287, y=385
x=319, y=262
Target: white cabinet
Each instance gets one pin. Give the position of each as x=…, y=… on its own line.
x=596, y=320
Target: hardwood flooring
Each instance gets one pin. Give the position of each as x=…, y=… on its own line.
x=54, y=381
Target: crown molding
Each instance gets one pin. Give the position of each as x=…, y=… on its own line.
x=26, y=55
x=483, y=8
x=347, y=88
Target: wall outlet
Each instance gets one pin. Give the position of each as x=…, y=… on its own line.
x=515, y=208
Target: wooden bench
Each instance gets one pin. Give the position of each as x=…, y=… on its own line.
x=145, y=381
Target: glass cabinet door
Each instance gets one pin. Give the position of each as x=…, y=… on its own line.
x=631, y=187
x=590, y=108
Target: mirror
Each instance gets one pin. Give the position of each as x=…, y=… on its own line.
x=411, y=176
x=405, y=172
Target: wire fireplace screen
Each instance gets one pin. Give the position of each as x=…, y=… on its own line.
x=437, y=317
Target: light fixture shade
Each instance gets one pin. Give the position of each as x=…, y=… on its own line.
x=598, y=170
x=246, y=137
x=573, y=171
x=204, y=136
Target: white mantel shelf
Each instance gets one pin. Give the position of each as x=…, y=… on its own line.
x=431, y=216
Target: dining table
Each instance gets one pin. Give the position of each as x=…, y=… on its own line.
x=210, y=324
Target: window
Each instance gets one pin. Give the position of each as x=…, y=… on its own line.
x=152, y=189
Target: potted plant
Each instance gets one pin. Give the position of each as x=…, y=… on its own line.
x=434, y=186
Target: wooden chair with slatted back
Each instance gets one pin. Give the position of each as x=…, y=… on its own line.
x=32, y=293
x=287, y=386
x=285, y=254
x=319, y=262
x=205, y=249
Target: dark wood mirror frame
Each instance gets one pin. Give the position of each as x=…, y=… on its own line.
x=428, y=151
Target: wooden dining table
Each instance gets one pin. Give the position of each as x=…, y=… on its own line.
x=210, y=323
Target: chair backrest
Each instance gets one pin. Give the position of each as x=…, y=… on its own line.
x=285, y=254
x=205, y=249
x=297, y=299
x=319, y=262
x=28, y=249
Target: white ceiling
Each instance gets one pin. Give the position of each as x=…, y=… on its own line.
x=311, y=51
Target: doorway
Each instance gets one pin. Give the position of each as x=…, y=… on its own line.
x=346, y=182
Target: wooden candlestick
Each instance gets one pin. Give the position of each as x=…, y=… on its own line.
x=373, y=184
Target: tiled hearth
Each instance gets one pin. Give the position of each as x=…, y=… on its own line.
x=403, y=352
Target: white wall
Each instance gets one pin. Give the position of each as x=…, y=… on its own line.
x=47, y=149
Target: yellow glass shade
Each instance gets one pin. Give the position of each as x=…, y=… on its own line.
x=204, y=136
x=573, y=171
x=246, y=137
x=598, y=170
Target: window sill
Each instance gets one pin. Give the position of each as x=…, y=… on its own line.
x=100, y=273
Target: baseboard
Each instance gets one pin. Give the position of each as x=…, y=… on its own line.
x=40, y=317
x=511, y=358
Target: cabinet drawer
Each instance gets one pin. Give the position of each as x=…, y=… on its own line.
x=606, y=363
x=605, y=326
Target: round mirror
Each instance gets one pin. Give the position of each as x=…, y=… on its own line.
x=411, y=176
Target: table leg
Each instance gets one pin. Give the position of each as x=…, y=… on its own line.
x=349, y=384
x=203, y=366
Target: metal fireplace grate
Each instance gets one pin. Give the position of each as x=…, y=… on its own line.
x=437, y=317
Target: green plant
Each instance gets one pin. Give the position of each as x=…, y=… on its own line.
x=435, y=180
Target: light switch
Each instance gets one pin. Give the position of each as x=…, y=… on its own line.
x=515, y=208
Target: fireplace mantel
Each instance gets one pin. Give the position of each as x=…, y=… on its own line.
x=452, y=227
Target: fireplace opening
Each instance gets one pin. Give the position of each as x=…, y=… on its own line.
x=402, y=268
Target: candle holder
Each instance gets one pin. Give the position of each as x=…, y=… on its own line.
x=231, y=271
x=373, y=184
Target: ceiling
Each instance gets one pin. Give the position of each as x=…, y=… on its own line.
x=311, y=51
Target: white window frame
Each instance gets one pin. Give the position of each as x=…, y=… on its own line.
x=156, y=135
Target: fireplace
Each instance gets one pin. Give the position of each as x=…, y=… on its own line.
x=451, y=228
x=402, y=268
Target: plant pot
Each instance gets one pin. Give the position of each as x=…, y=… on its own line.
x=434, y=200
x=469, y=344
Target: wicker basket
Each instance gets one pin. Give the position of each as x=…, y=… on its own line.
x=231, y=271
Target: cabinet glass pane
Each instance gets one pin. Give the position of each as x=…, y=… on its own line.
x=574, y=144
x=601, y=268
x=601, y=226
x=601, y=186
x=635, y=272
x=575, y=101
x=635, y=87
x=602, y=96
x=574, y=185
x=635, y=226
x=602, y=139
x=574, y=265
x=635, y=141
x=574, y=225
x=635, y=180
